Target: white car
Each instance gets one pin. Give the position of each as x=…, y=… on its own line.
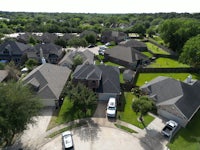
x=111, y=107
x=67, y=140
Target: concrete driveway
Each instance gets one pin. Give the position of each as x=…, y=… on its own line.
x=101, y=109
x=99, y=138
x=31, y=137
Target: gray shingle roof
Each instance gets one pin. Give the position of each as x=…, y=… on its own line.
x=87, y=56
x=110, y=79
x=107, y=75
x=127, y=54
x=167, y=91
x=50, y=78
x=88, y=72
x=134, y=44
x=13, y=47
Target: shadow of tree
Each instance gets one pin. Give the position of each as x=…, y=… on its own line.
x=88, y=132
x=152, y=139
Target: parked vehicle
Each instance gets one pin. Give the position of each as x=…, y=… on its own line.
x=67, y=140
x=169, y=128
x=111, y=107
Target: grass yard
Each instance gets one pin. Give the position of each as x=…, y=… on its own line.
x=188, y=138
x=128, y=115
x=166, y=63
x=147, y=54
x=158, y=39
x=121, y=78
x=68, y=113
x=143, y=77
x=155, y=49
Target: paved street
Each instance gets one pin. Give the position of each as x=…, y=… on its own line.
x=99, y=138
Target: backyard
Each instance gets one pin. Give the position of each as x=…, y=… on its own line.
x=167, y=63
x=128, y=115
x=188, y=138
x=156, y=50
x=146, y=77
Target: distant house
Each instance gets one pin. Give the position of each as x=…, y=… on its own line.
x=104, y=80
x=3, y=75
x=51, y=52
x=125, y=56
x=11, y=50
x=175, y=100
x=48, y=81
x=68, y=59
x=67, y=36
x=138, y=45
x=24, y=38
x=116, y=36
x=47, y=38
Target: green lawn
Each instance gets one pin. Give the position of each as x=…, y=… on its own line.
x=188, y=138
x=128, y=115
x=143, y=77
x=69, y=113
x=147, y=54
x=158, y=39
x=166, y=63
x=155, y=49
x=121, y=78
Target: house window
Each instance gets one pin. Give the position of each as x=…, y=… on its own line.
x=6, y=51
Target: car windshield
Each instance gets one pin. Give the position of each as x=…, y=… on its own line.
x=111, y=108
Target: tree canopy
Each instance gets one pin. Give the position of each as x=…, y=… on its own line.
x=176, y=32
x=18, y=105
x=191, y=52
x=81, y=96
x=142, y=105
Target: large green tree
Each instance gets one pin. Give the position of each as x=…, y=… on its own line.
x=81, y=96
x=191, y=52
x=142, y=105
x=176, y=32
x=18, y=105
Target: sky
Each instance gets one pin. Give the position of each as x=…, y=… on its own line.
x=101, y=6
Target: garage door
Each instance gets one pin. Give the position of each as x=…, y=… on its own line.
x=48, y=102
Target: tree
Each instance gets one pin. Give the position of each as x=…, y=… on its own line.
x=77, y=42
x=31, y=63
x=77, y=60
x=81, y=96
x=191, y=52
x=18, y=105
x=176, y=32
x=142, y=105
x=13, y=72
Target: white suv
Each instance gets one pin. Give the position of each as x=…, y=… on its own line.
x=111, y=107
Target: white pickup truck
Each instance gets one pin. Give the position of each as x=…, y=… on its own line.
x=169, y=128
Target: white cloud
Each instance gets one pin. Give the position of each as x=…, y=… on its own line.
x=100, y=6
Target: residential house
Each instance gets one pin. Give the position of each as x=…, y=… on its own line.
x=47, y=38
x=125, y=56
x=116, y=36
x=104, y=80
x=138, y=45
x=51, y=52
x=11, y=50
x=48, y=81
x=175, y=100
x=24, y=38
x=68, y=59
